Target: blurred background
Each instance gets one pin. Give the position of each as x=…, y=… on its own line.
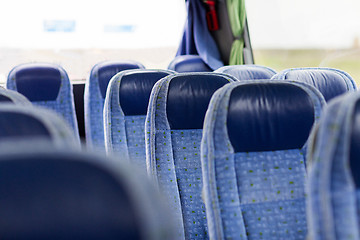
x=78, y=34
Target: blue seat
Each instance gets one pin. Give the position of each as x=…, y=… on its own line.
x=94, y=98
x=253, y=159
x=9, y=96
x=45, y=85
x=329, y=81
x=125, y=111
x=334, y=179
x=26, y=122
x=188, y=63
x=173, y=126
x=53, y=193
x=247, y=72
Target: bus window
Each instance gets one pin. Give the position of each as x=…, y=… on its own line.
x=79, y=34
x=307, y=33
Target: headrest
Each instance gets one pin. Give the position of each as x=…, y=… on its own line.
x=188, y=99
x=269, y=117
x=24, y=122
x=106, y=70
x=188, y=63
x=57, y=195
x=5, y=99
x=328, y=82
x=11, y=96
x=38, y=81
x=135, y=89
x=355, y=145
x=17, y=124
x=247, y=72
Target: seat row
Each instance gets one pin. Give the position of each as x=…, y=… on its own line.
x=321, y=78
x=48, y=85
x=52, y=189
x=248, y=156
x=250, y=161
x=55, y=192
x=244, y=146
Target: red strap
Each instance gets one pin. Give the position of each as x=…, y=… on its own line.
x=211, y=15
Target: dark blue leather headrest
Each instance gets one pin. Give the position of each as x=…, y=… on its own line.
x=189, y=63
x=329, y=83
x=107, y=70
x=13, y=124
x=63, y=197
x=38, y=82
x=188, y=99
x=248, y=72
x=269, y=117
x=135, y=89
x=4, y=99
x=355, y=146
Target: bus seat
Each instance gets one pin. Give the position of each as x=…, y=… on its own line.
x=46, y=85
x=173, y=128
x=26, y=122
x=247, y=72
x=188, y=63
x=334, y=171
x=54, y=193
x=125, y=110
x=253, y=159
x=329, y=81
x=94, y=97
x=9, y=96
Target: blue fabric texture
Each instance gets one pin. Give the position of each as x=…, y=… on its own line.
x=197, y=39
x=94, y=100
x=47, y=125
x=63, y=105
x=333, y=202
x=173, y=160
x=252, y=195
x=329, y=81
x=125, y=134
x=247, y=72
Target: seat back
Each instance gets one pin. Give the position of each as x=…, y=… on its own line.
x=253, y=163
x=125, y=111
x=173, y=128
x=334, y=180
x=329, y=81
x=25, y=123
x=45, y=85
x=94, y=98
x=188, y=63
x=247, y=72
x=54, y=193
x=10, y=96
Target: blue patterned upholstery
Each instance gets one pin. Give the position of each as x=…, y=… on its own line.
x=247, y=72
x=46, y=85
x=253, y=163
x=334, y=180
x=188, y=63
x=125, y=111
x=94, y=98
x=10, y=96
x=173, y=127
x=49, y=192
x=329, y=81
x=26, y=122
